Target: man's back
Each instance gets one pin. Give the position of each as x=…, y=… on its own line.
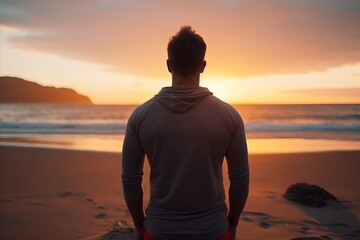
x=185, y=133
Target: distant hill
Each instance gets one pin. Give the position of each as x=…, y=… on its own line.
x=17, y=90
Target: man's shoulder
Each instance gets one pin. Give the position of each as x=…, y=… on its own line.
x=143, y=108
x=230, y=114
x=223, y=106
x=146, y=104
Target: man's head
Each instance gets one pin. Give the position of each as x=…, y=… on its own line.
x=186, y=52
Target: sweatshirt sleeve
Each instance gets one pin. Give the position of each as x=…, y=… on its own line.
x=132, y=163
x=238, y=165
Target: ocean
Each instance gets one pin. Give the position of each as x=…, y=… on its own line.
x=269, y=128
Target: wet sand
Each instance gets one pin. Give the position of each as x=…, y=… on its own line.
x=69, y=194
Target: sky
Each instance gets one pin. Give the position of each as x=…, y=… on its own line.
x=114, y=51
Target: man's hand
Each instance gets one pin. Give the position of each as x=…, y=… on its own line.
x=140, y=233
x=137, y=212
x=233, y=231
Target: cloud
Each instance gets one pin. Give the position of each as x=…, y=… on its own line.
x=328, y=91
x=245, y=38
x=338, y=95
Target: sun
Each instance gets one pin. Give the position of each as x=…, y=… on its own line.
x=224, y=88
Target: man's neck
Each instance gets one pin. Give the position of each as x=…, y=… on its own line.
x=190, y=81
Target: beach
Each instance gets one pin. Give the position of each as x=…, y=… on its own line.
x=49, y=193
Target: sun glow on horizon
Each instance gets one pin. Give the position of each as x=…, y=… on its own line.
x=311, y=87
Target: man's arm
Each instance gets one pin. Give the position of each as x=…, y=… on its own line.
x=236, y=206
x=132, y=173
x=137, y=213
x=238, y=168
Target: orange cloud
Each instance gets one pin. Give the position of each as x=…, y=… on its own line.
x=245, y=38
x=338, y=95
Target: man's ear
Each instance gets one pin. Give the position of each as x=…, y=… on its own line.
x=168, y=66
x=202, y=66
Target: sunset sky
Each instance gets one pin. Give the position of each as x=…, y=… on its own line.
x=259, y=51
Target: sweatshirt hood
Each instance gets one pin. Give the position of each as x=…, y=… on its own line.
x=181, y=99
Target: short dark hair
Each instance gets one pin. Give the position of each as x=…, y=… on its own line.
x=186, y=51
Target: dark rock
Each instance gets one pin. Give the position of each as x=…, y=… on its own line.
x=309, y=195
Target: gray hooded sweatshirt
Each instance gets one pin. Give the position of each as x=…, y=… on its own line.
x=185, y=134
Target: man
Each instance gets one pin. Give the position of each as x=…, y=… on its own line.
x=185, y=133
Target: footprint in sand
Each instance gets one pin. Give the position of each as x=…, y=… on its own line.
x=70, y=194
x=264, y=225
x=65, y=194
x=90, y=200
x=263, y=220
x=93, y=202
x=81, y=195
x=101, y=216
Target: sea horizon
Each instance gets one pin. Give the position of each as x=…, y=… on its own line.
x=270, y=128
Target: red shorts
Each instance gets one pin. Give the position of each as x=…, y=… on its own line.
x=228, y=235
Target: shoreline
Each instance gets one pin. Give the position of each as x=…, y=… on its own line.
x=57, y=148
x=76, y=194
x=113, y=143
